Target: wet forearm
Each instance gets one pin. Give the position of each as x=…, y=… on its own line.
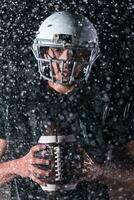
x=6, y=179
x=119, y=176
x=7, y=172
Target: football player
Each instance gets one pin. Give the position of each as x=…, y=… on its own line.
x=66, y=47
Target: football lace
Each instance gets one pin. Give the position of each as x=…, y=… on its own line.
x=58, y=163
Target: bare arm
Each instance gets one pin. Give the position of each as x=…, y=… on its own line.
x=124, y=189
x=5, y=174
x=24, y=167
x=3, y=146
x=119, y=173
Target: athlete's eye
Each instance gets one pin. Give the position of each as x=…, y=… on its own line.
x=57, y=50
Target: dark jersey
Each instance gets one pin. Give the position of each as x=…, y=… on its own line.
x=95, y=121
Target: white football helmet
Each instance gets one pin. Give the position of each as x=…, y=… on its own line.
x=63, y=30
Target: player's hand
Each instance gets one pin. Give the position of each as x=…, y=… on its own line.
x=91, y=170
x=27, y=166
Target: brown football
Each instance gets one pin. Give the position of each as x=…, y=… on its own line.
x=65, y=162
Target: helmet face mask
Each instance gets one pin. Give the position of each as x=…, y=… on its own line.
x=80, y=42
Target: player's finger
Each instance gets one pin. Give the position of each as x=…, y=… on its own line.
x=88, y=163
x=37, y=147
x=40, y=161
x=40, y=172
x=38, y=181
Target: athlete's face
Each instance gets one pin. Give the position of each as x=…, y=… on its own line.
x=66, y=55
